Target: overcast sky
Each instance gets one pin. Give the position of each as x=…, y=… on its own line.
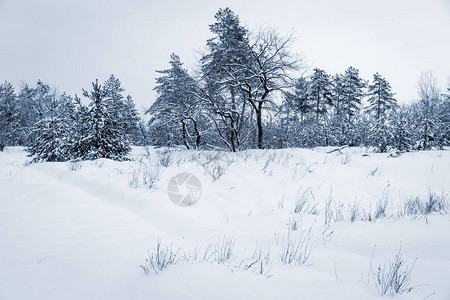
x=68, y=44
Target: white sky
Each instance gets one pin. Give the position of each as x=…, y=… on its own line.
x=70, y=43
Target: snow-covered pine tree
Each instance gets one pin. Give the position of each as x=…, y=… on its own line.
x=27, y=114
x=132, y=121
x=380, y=97
x=319, y=93
x=338, y=117
x=122, y=110
x=53, y=134
x=320, y=102
x=403, y=128
x=101, y=138
x=381, y=104
x=9, y=115
x=175, y=115
x=222, y=67
x=300, y=97
x=352, y=94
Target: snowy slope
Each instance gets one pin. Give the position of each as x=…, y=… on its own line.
x=80, y=230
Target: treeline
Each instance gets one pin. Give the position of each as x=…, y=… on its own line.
x=246, y=95
x=58, y=127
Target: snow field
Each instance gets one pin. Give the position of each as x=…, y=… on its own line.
x=82, y=229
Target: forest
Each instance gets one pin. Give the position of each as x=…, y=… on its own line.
x=251, y=90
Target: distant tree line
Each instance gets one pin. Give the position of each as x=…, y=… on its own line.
x=246, y=94
x=58, y=127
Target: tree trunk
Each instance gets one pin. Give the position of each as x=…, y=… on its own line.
x=183, y=134
x=232, y=138
x=259, y=124
x=197, y=133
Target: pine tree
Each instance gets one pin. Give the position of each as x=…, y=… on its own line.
x=53, y=134
x=132, y=121
x=338, y=116
x=381, y=104
x=352, y=95
x=320, y=102
x=176, y=112
x=300, y=97
x=381, y=99
x=353, y=92
x=101, y=138
x=319, y=93
x=9, y=115
x=403, y=130
x=123, y=112
x=222, y=68
x=27, y=115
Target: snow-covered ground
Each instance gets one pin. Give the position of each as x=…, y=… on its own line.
x=81, y=230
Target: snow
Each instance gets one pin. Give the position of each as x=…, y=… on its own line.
x=80, y=230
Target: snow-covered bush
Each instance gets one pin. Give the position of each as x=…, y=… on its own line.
x=53, y=142
x=100, y=130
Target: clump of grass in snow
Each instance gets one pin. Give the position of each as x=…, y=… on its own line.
x=223, y=251
x=164, y=157
x=259, y=263
x=295, y=249
x=220, y=252
x=216, y=164
x=159, y=259
x=333, y=211
x=384, y=208
x=381, y=210
x=145, y=174
x=432, y=204
x=303, y=203
x=394, y=277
